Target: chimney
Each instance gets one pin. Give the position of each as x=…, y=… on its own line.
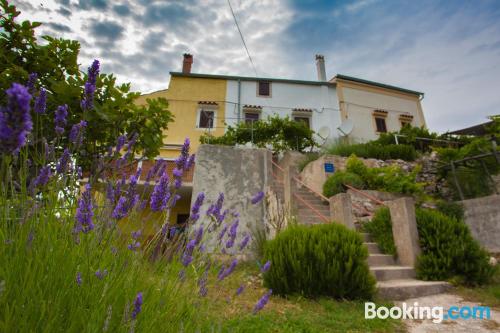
x=187, y=62
x=320, y=67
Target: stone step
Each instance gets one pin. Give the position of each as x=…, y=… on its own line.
x=366, y=237
x=380, y=260
x=372, y=248
x=392, y=272
x=310, y=219
x=319, y=208
x=402, y=289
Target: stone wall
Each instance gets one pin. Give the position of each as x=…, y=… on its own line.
x=239, y=173
x=482, y=215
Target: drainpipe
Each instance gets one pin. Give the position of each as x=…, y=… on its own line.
x=239, y=100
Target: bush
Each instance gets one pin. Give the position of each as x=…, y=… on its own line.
x=333, y=184
x=326, y=259
x=373, y=150
x=451, y=209
x=391, y=178
x=448, y=249
x=380, y=228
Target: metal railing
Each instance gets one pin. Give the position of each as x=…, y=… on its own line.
x=315, y=211
x=298, y=180
x=366, y=195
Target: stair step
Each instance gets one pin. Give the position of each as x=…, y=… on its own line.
x=366, y=237
x=373, y=248
x=392, y=272
x=380, y=260
x=402, y=289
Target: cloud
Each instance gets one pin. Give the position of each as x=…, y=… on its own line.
x=108, y=31
x=58, y=27
x=449, y=50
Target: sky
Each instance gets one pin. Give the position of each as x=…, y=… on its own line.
x=450, y=50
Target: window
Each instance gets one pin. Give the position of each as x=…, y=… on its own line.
x=251, y=117
x=305, y=120
x=264, y=88
x=381, y=126
x=405, y=123
x=206, y=119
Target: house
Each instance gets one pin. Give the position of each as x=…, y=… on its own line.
x=210, y=103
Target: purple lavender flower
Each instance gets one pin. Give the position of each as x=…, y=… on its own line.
x=222, y=232
x=244, y=242
x=134, y=246
x=195, y=210
x=31, y=82
x=226, y=272
x=220, y=275
x=177, y=183
x=62, y=164
x=43, y=177
x=101, y=274
x=174, y=200
x=202, y=283
x=266, y=267
x=137, y=305
x=229, y=243
x=177, y=173
x=182, y=275
x=60, y=118
x=257, y=198
x=234, y=228
x=215, y=209
x=199, y=235
x=131, y=142
x=87, y=102
x=186, y=259
x=121, y=209
x=120, y=143
x=15, y=119
x=79, y=278
x=76, y=133
x=189, y=162
x=84, y=212
x=181, y=160
x=240, y=289
x=41, y=102
x=136, y=234
x=262, y=302
x=161, y=194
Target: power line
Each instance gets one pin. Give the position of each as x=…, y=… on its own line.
x=242, y=39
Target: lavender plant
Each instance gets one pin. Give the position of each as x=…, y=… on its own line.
x=65, y=263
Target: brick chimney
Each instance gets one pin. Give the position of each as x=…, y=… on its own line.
x=186, y=63
x=320, y=67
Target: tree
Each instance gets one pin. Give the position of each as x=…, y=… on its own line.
x=54, y=61
x=279, y=133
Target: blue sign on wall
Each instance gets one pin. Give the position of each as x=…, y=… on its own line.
x=329, y=168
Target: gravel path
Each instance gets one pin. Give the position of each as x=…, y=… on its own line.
x=459, y=325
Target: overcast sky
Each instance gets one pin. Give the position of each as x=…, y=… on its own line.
x=450, y=50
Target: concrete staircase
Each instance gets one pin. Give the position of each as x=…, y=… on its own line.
x=305, y=214
x=396, y=282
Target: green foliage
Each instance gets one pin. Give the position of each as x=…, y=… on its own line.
x=408, y=136
x=380, y=228
x=334, y=184
x=448, y=249
x=472, y=177
x=451, y=209
x=55, y=60
x=391, y=178
x=374, y=150
x=280, y=133
x=327, y=260
x=308, y=158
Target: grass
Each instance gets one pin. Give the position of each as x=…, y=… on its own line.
x=488, y=295
x=292, y=314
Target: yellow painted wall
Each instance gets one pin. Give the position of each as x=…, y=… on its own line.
x=183, y=95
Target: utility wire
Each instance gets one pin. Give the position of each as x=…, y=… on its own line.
x=242, y=39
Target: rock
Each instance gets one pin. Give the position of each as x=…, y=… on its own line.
x=493, y=261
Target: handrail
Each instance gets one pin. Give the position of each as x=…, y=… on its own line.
x=360, y=207
x=312, y=208
x=310, y=189
x=366, y=195
x=277, y=165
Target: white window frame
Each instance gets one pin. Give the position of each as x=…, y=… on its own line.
x=207, y=107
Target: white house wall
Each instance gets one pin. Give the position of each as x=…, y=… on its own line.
x=360, y=104
x=322, y=99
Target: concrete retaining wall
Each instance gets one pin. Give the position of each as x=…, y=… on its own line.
x=482, y=215
x=238, y=173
